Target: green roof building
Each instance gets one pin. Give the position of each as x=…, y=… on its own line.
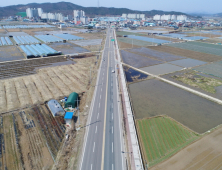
x=72, y=100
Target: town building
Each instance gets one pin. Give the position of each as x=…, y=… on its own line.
x=31, y=12
x=79, y=16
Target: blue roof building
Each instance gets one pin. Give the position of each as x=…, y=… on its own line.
x=68, y=115
x=68, y=119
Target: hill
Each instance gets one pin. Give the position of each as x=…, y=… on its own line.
x=218, y=15
x=67, y=8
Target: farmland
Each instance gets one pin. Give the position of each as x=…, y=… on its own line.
x=68, y=48
x=156, y=54
x=194, y=112
x=10, y=53
x=136, y=60
x=133, y=42
x=205, y=153
x=200, y=47
x=48, y=83
x=187, y=53
x=161, y=137
x=30, y=139
x=211, y=69
x=161, y=69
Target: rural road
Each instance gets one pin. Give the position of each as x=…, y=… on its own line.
x=102, y=148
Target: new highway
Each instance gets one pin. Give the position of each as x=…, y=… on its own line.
x=103, y=144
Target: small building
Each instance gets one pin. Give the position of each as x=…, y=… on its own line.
x=72, y=100
x=68, y=118
x=55, y=108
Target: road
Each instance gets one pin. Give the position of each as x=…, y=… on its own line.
x=103, y=145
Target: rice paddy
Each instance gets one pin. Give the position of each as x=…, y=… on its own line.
x=161, y=137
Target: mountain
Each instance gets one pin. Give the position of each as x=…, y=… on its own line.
x=218, y=15
x=67, y=8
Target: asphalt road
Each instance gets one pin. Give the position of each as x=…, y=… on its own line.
x=102, y=148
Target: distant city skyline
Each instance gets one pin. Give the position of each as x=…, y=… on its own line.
x=186, y=6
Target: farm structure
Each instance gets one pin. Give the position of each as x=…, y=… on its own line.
x=38, y=50
x=48, y=83
x=161, y=137
x=27, y=26
x=25, y=40
x=48, y=38
x=5, y=41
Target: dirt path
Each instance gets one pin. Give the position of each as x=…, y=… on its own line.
x=205, y=153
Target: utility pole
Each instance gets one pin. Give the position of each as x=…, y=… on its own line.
x=90, y=76
x=132, y=42
x=78, y=115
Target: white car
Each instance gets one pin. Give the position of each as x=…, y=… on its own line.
x=113, y=71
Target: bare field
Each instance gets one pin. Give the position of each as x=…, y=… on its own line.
x=98, y=35
x=187, y=53
x=48, y=83
x=33, y=30
x=9, y=53
x=68, y=48
x=153, y=97
x=202, y=154
x=212, y=40
x=123, y=45
x=203, y=34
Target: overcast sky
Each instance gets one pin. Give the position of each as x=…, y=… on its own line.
x=206, y=6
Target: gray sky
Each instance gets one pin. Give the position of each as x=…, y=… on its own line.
x=207, y=6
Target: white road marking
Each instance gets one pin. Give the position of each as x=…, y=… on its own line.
x=99, y=105
x=97, y=115
x=94, y=147
x=112, y=147
x=112, y=166
x=112, y=129
x=103, y=73
x=96, y=130
x=91, y=166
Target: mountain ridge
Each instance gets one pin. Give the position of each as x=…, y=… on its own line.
x=67, y=8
